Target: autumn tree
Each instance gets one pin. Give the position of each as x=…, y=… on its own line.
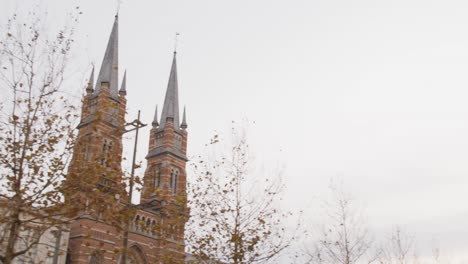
x=344, y=237
x=235, y=215
x=36, y=132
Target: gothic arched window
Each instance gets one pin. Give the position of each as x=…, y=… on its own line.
x=156, y=178
x=106, y=152
x=174, y=180
x=135, y=256
x=86, y=147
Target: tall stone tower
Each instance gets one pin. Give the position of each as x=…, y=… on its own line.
x=99, y=141
x=97, y=158
x=165, y=178
x=156, y=230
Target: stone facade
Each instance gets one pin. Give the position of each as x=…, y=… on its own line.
x=49, y=236
x=156, y=226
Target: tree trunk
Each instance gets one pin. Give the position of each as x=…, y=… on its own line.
x=12, y=237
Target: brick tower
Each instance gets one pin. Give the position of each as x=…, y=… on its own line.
x=156, y=231
x=97, y=158
x=99, y=141
x=165, y=176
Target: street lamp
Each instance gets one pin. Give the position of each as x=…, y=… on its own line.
x=136, y=125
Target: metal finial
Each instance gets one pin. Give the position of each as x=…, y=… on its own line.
x=119, y=3
x=176, y=40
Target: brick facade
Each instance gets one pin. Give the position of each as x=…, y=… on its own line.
x=156, y=227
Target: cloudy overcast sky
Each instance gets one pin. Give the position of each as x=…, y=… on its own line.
x=371, y=92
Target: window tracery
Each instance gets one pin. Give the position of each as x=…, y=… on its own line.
x=156, y=178
x=106, y=152
x=174, y=180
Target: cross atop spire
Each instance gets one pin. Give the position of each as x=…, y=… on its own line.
x=110, y=64
x=176, y=41
x=171, y=102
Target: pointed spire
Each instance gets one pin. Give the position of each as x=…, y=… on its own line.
x=90, y=88
x=110, y=64
x=123, y=87
x=171, y=102
x=184, y=121
x=155, y=119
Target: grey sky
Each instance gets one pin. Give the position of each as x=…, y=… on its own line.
x=370, y=91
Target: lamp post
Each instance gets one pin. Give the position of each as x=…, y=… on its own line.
x=136, y=124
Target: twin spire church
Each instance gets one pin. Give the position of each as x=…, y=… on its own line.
x=107, y=233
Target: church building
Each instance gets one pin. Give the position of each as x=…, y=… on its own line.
x=153, y=230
